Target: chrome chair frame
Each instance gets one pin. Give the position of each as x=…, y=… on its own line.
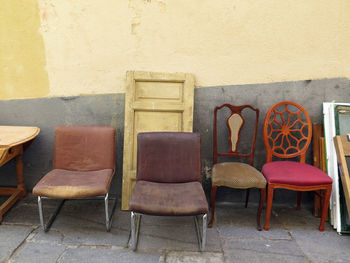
x=136, y=222
x=46, y=227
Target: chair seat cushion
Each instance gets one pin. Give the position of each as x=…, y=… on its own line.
x=237, y=175
x=170, y=199
x=294, y=173
x=74, y=184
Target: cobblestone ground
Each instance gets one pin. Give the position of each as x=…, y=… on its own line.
x=78, y=235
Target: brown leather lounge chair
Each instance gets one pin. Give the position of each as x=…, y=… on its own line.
x=168, y=180
x=83, y=167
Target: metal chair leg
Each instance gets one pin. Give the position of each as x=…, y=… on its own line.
x=135, y=227
x=46, y=227
x=109, y=217
x=202, y=237
x=204, y=234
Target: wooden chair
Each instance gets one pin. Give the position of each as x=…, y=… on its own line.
x=83, y=167
x=287, y=134
x=168, y=180
x=236, y=174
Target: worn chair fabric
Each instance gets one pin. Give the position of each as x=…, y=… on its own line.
x=287, y=134
x=168, y=179
x=83, y=166
x=232, y=173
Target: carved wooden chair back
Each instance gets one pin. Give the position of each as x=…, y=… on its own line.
x=235, y=122
x=287, y=131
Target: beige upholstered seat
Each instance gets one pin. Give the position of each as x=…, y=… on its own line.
x=237, y=175
x=74, y=184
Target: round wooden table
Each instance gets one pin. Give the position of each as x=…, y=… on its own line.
x=13, y=141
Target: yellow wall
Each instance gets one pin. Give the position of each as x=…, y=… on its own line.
x=22, y=55
x=90, y=44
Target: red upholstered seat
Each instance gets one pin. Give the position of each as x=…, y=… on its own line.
x=294, y=173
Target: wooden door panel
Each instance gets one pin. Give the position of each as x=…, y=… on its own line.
x=153, y=102
x=159, y=91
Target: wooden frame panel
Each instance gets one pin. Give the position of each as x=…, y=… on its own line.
x=342, y=147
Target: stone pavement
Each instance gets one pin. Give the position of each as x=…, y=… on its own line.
x=78, y=235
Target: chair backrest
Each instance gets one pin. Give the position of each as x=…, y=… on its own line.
x=168, y=157
x=287, y=131
x=84, y=148
x=235, y=122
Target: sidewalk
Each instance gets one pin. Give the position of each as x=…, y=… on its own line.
x=78, y=235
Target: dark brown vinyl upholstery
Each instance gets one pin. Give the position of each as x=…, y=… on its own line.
x=84, y=163
x=168, y=180
x=172, y=157
x=176, y=199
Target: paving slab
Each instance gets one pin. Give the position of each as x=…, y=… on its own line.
x=167, y=238
x=236, y=221
x=91, y=236
x=327, y=246
x=289, y=216
x=193, y=257
x=173, y=233
x=98, y=255
x=26, y=211
x=82, y=222
x=234, y=231
x=12, y=236
x=52, y=237
x=281, y=247
x=38, y=252
x=251, y=250
x=79, y=235
x=247, y=256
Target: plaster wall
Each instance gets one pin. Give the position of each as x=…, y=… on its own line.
x=22, y=54
x=66, y=48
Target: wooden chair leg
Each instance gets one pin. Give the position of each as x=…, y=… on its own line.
x=212, y=204
x=247, y=198
x=260, y=208
x=299, y=200
x=19, y=170
x=268, y=206
x=325, y=204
